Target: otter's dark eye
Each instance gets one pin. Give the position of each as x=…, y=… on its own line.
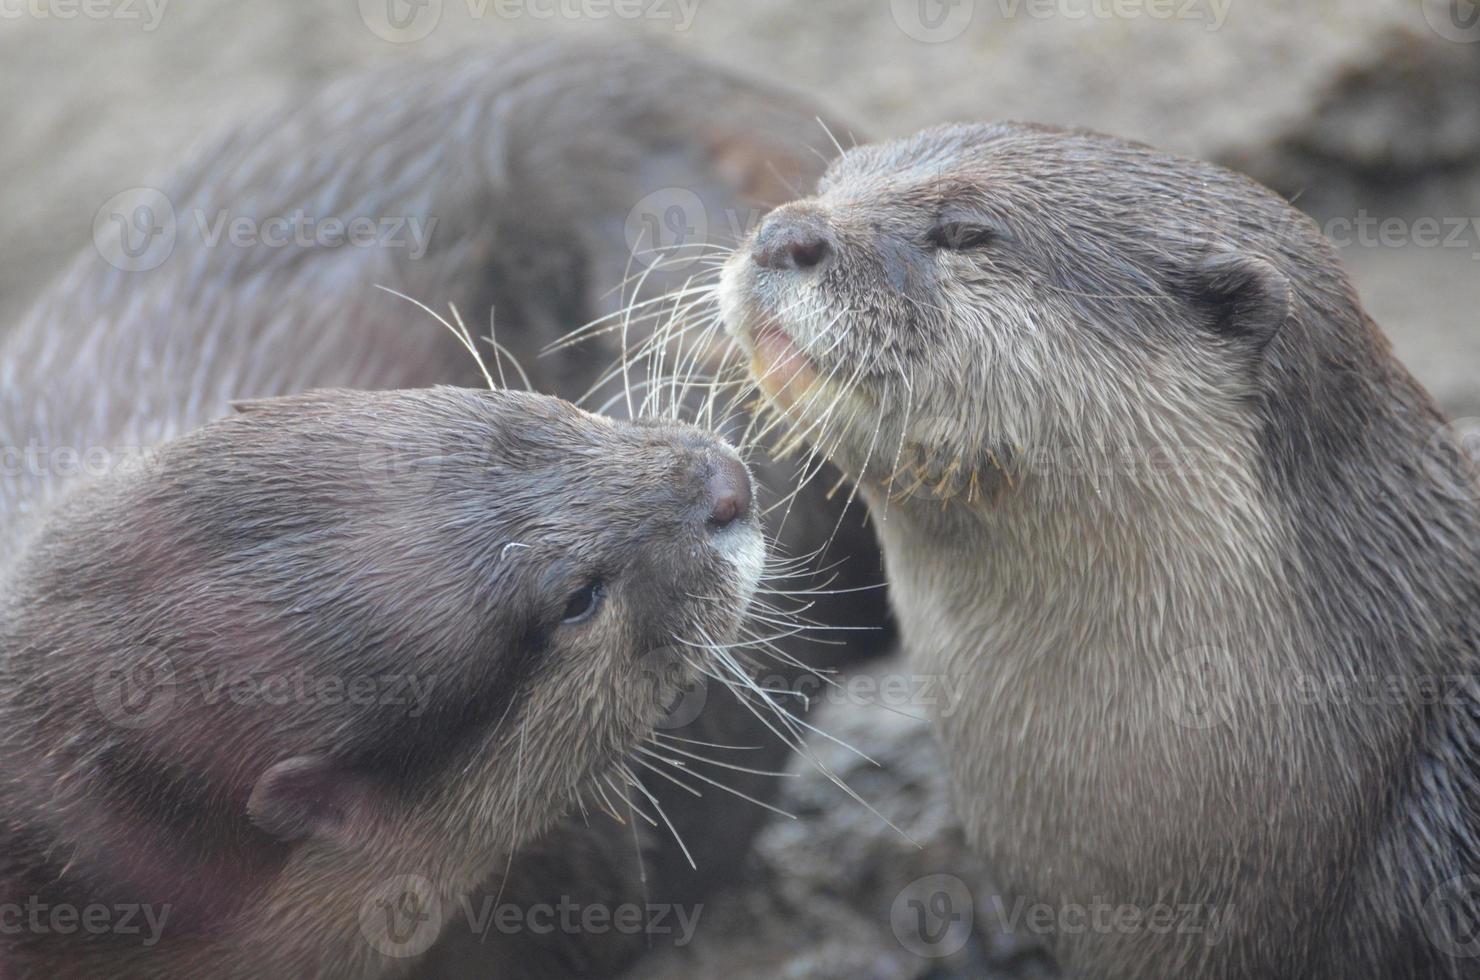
x=583, y=603
x=959, y=236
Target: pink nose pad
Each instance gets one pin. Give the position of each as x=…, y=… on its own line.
x=730, y=492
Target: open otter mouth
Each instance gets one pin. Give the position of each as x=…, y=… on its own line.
x=782, y=369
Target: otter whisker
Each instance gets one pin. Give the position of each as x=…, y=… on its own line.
x=742, y=795
x=460, y=331
x=666, y=775
x=669, y=736
x=626, y=773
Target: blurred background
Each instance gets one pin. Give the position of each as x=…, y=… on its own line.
x=1365, y=112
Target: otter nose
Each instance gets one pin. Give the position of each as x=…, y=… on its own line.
x=729, y=492
x=790, y=241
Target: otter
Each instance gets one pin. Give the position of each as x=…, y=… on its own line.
x=480, y=618
x=501, y=182
x=1202, y=557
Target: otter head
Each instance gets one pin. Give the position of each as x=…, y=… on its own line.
x=345, y=636
x=981, y=309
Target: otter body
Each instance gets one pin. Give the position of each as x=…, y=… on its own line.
x=1153, y=491
x=421, y=534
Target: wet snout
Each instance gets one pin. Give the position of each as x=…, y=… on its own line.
x=792, y=237
x=729, y=491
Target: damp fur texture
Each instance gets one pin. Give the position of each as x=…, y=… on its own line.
x=1153, y=490
x=354, y=530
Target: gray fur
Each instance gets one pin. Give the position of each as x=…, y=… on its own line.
x=272, y=542
x=1142, y=467
x=529, y=161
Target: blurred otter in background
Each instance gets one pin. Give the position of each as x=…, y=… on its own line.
x=499, y=180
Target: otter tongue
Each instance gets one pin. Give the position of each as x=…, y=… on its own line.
x=781, y=367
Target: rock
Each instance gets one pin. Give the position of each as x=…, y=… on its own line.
x=839, y=893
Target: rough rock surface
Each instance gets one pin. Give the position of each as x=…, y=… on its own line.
x=852, y=889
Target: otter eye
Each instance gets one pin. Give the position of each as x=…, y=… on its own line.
x=583, y=603
x=959, y=236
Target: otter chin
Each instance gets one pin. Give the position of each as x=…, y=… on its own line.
x=1150, y=473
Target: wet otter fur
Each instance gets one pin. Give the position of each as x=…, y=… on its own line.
x=524, y=165
x=1153, y=490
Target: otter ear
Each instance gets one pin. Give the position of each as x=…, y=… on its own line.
x=305, y=797
x=1245, y=297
